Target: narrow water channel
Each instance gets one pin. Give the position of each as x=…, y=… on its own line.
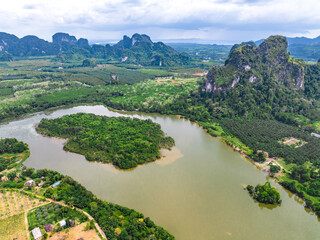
x=195, y=193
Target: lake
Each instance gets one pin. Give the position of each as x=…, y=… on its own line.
x=196, y=192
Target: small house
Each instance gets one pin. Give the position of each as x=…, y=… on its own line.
x=29, y=183
x=72, y=223
x=315, y=135
x=36, y=233
x=56, y=184
x=62, y=223
x=48, y=227
x=40, y=184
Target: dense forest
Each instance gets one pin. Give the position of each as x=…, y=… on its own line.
x=125, y=142
x=12, y=145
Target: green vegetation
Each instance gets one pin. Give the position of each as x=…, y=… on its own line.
x=305, y=52
x=274, y=169
x=129, y=223
x=10, y=152
x=204, y=52
x=265, y=135
x=259, y=88
x=53, y=213
x=108, y=216
x=137, y=50
x=124, y=142
x=264, y=193
x=12, y=145
x=33, y=85
x=274, y=88
x=13, y=227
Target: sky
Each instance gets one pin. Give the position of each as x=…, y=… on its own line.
x=200, y=21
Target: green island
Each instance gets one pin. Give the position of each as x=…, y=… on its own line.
x=123, y=141
x=56, y=206
x=264, y=193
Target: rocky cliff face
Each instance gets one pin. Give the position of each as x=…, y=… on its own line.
x=247, y=63
x=34, y=46
x=140, y=49
x=60, y=38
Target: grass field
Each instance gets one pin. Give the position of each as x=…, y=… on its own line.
x=13, y=228
x=152, y=92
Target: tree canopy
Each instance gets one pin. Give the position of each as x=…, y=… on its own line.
x=124, y=142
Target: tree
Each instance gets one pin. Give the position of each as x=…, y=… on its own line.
x=12, y=175
x=86, y=63
x=274, y=169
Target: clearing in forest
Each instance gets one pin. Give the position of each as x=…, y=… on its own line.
x=77, y=232
x=292, y=142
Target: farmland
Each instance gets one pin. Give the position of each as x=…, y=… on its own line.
x=13, y=202
x=37, y=84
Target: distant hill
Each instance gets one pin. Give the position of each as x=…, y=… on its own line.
x=307, y=49
x=34, y=46
x=250, y=64
x=264, y=82
x=139, y=49
x=298, y=40
x=204, y=52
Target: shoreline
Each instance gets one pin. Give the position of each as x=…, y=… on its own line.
x=259, y=167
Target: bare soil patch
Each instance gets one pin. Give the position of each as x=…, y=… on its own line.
x=76, y=233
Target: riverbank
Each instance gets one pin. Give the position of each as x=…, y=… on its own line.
x=212, y=128
x=177, y=196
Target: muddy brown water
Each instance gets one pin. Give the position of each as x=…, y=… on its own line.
x=196, y=192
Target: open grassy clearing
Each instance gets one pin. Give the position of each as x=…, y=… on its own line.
x=8, y=161
x=13, y=228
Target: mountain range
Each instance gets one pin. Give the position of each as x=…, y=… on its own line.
x=298, y=41
x=139, y=49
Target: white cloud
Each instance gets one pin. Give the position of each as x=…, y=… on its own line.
x=232, y=20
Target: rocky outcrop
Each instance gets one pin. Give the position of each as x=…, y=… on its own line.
x=83, y=43
x=61, y=38
x=34, y=46
x=250, y=64
x=140, y=49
